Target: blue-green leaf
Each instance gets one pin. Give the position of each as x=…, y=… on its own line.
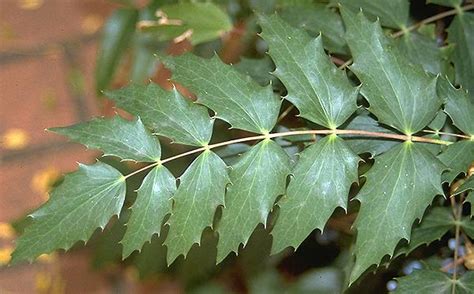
x=258, y=178
x=321, y=92
x=167, y=113
x=86, y=200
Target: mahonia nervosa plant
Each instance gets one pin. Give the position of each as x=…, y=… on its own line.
x=402, y=89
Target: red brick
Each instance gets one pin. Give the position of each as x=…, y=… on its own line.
x=34, y=96
x=18, y=196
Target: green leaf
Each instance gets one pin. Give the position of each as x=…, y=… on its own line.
x=201, y=190
x=457, y=157
x=461, y=33
x=234, y=97
x=467, y=225
x=320, y=183
x=459, y=106
x=153, y=203
x=430, y=281
x=318, y=19
x=258, y=178
x=448, y=3
x=258, y=69
x=361, y=144
x=400, y=185
x=117, y=35
x=439, y=121
x=86, y=200
x=392, y=13
x=400, y=94
x=167, y=113
x=206, y=21
x=424, y=51
x=437, y=222
x=128, y=140
x=322, y=93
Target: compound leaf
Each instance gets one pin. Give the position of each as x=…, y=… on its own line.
x=129, y=140
x=430, y=281
x=393, y=13
x=399, y=187
x=461, y=33
x=84, y=201
x=201, y=190
x=153, y=203
x=459, y=106
x=167, y=113
x=320, y=182
x=322, y=93
x=258, y=178
x=457, y=156
x=235, y=98
x=437, y=222
x=400, y=94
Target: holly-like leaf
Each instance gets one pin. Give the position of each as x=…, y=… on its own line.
x=437, y=222
x=202, y=21
x=153, y=203
x=461, y=33
x=430, y=281
x=399, y=187
x=392, y=13
x=234, y=97
x=320, y=183
x=361, y=144
x=318, y=19
x=457, y=157
x=167, y=113
x=322, y=93
x=258, y=69
x=459, y=106
x=201, y=190
x=423, y=50
x=258, y=178
x=86, y=200
x=400, y=94
x=128, y=140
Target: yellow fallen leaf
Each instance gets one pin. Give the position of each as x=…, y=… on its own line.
x=14, y=139
x=30, y=4
x=91, y=23
x=43, y=282
x=44, y=180
x=6, y=231
x=5, y=255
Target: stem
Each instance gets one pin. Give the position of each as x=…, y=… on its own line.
x=457, y=214
x=447, y=134
x=295, y=133
x=432, y=19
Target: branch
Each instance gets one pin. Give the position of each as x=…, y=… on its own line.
x=296, y=133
